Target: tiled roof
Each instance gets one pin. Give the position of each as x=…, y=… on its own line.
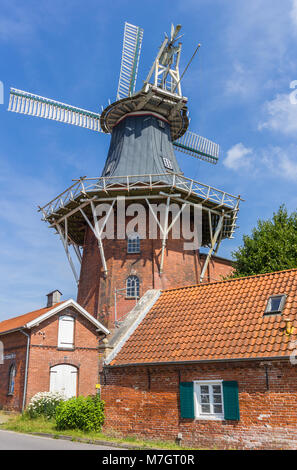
x=22, y=320
x=215, y=321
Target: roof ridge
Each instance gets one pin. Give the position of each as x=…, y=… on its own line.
x=229, y=280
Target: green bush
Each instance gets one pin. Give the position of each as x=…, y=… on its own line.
x=44, y=404
x=84, y=413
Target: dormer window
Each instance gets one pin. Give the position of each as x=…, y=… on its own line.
x=275, y=304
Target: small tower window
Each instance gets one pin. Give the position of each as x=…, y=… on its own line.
x=11, y=380
x=161, y=124
x=132, y=287
x=167, y=163
x=275, y=304
x=133, y=243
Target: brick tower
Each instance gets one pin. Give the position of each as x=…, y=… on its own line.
x=131, y=228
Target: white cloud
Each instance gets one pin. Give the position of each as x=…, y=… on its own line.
x=281, y=161
x=241, y=82
x=281, y=115
x=238, y=156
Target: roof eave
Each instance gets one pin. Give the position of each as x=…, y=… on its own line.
x=57, y=309
x=13, y=330
x=202, y=361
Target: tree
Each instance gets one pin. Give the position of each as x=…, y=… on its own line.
x=272, y=246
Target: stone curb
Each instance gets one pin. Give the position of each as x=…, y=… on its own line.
x=89, y=441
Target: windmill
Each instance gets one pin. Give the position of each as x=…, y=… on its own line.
x=145, y=126
x=166, y=85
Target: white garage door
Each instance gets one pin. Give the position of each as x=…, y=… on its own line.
x=63, y=378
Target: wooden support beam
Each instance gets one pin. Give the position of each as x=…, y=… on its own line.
x=64, y=239
x=213, y=242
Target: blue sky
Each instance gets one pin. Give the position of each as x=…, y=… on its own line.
x=238, y=88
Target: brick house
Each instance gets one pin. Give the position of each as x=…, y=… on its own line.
x=53, y=348
x=212, y=365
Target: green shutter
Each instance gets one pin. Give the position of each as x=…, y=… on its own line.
x=231, y=402
x=186, y=391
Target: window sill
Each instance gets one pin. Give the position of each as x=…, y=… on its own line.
x=209, y=418
x=65, y=349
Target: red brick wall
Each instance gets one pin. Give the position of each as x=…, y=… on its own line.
x=16, y=344
x=145, y=401
x=45, y=354
x=181, y=268
x=218, y=268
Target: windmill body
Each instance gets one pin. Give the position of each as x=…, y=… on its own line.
x=141, y=167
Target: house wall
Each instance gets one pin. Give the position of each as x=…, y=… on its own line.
x=145, y=401
x=181, y=268
x=44, y=354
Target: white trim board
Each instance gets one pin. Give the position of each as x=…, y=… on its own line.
x=62, y=306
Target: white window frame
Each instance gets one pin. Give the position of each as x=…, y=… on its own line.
x=197, y=403
x=132, y=285
x=63, y=344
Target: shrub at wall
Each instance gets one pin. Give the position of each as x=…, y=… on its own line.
x=44, y=403
x=85, y=413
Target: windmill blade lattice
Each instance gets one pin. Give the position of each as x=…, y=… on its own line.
x=34, y=105
x=197, y=146
x=130, y=59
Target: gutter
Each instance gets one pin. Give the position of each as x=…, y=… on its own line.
x=11, y=331
x=26, y=369
x=203, y=361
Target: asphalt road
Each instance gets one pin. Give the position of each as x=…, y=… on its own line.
x=10, y=440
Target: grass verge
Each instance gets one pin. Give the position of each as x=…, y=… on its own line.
x=24, y=424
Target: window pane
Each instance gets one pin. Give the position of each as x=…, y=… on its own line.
x=132, y=287
x=205, y=408
x=217, y=399
x=11, y=380
x=216, y=389
x=167, y=163
x=204, y=398
x=275, y=303
x=217, y=408
x=204, y=389
x=133, y=243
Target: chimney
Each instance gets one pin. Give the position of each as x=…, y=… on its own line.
x=53, y=298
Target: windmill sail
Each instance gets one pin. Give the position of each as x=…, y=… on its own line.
x=197, y=146
x=130, y=59
x=34, y=105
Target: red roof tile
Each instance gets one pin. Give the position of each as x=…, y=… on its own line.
x=22, y=320
x=216, y=320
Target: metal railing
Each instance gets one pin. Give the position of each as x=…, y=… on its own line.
x=110, y=184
